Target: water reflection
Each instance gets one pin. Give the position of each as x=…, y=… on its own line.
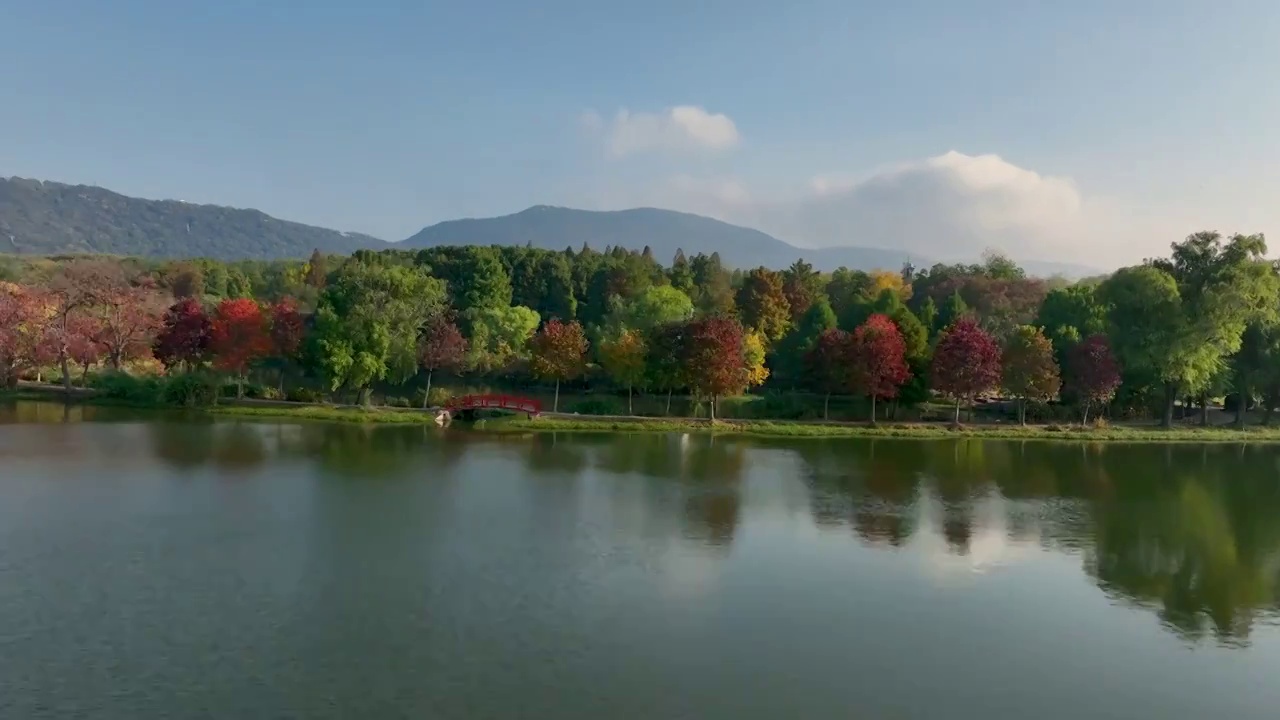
x=1190, y=533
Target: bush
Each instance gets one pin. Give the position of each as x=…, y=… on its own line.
x=598, y=406
x=437, y=398
x=145, y=390
x=399, y=402
x=189, y=390
x=304, y=395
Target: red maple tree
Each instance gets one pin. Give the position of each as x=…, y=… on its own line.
x=712, y=357
x=558, y=352
x=23, y=346
x=443, y=348
x=966, y=362
x=238, y=337
x=1095, y=374
x=183, y=340
x=85, y=345
x=877, y=360
x=287, y=329
x=827, y=363
x=128, y=318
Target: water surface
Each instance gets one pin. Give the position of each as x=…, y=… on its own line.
x=160, y=566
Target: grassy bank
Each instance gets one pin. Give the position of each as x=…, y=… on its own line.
x=922, y=431
x=758, y=428
x=381, y=416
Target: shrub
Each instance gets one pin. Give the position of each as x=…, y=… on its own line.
x=304, y=395
x=399, y=402
x=189, y=390
x=121, y=386
x=439, y=396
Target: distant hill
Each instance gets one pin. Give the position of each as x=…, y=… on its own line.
x=40, y=217
x=47, y=218
x=663, y=231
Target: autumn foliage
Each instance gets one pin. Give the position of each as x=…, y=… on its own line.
x=1095, y=374
x=966, y=362
x=442, y=348
x=238, y=336
x=827, y=366
x=1030, y=372
x=877, y=360
x=558, y=352
x=183, y=340
x=713, y=358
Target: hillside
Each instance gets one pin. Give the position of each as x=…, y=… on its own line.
x=40, y=217
x=47, y=217
x=664, y=231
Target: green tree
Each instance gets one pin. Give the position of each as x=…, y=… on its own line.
x=763, y=305
x=1184, y=317
x=790, y=355
x=1069, y=314
x=367, y=323
x=713, y=289
x=952, y=310
x=499, y=335
x=476, y=276
x=928, y=315
x=658, y=305
x=681, y=274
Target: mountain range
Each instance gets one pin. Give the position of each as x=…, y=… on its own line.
x=47, y=218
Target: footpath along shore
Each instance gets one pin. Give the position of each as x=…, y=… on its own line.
x=567, y=422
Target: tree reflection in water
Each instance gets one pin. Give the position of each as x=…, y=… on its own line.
x=1191, y=531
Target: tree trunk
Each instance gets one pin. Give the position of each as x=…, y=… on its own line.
x=115, y=360
x=66, y=375
x=1269, y=398
x=1204, y=410
x=84, y=376
x=713, y=407
x=630, y=407
x=668, y=411
x=280, y=384
x=957, y=411
x=1170, y=394
x=1022, y=412
x=555, y=403
x=1242, y=402
x=240, y=386
x=1085, y=422
x=873, y=408
x=426, y=396
x=826, y=407
x=364, y=396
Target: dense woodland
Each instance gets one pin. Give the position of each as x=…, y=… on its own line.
x=1147, y=341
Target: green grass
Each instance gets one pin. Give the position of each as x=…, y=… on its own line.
x=758, y=428
x=923, y=431
x=381, y=416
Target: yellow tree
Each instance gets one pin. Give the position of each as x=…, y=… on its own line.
x=753, y=353
x=623, y=357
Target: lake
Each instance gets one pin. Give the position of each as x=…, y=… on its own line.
x=163, y=566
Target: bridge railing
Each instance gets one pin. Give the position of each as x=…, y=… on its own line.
x=493, y=401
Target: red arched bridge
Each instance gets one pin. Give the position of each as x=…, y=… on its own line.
x=514, y=403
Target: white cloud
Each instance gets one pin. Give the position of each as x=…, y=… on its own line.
x=949, y=207
x=680, y=129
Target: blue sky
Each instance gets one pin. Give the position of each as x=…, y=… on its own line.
x=1116, y=127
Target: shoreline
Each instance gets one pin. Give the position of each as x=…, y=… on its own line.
x=549, y=422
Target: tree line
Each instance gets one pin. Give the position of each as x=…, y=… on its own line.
x=1193, y=326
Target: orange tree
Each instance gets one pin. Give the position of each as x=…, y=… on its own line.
x=1030, y=372
x=558, y=352
x=624, y=358
x=238, y=337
